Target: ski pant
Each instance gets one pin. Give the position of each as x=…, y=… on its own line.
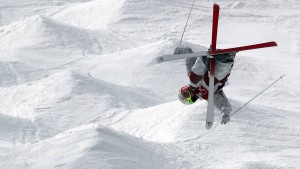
x=220, y=99
x=221, y=102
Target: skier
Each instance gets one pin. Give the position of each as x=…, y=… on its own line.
x=198, y=72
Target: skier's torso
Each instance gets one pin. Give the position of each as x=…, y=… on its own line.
x=201, y=67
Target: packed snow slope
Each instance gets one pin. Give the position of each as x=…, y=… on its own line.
x=80, y=88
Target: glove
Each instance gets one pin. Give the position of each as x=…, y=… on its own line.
x=225, y=117
x=182, y=50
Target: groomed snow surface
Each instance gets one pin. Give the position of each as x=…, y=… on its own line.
x=79, y=86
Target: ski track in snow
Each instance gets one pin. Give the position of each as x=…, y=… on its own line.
x=79, y=86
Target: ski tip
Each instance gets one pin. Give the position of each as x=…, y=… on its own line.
x=208, y=125
x=270, y=44
x=159, y=59
x=274, y=43
x=216, y=6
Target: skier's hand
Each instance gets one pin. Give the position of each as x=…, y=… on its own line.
x=225, y=119
x=182, y=50
x=177, y=51
x=233, y=53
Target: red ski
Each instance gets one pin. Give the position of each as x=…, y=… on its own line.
x=215, y=22
x=242, y=48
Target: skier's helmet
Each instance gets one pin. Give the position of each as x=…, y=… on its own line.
x=185, y=96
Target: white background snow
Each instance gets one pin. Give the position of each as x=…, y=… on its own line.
x=79, y=86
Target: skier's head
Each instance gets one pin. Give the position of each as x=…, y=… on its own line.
x=185, y=96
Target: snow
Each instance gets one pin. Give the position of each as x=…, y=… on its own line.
x=80, y=88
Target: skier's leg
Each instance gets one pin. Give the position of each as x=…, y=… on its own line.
x=189, y=63
x=222, y=103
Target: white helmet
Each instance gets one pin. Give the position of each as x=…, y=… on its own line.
x=185, y=96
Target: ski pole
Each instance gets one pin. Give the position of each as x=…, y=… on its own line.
x=258, y=94
x=187, y=22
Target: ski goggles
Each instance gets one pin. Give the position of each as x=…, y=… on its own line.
x=187, y=96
